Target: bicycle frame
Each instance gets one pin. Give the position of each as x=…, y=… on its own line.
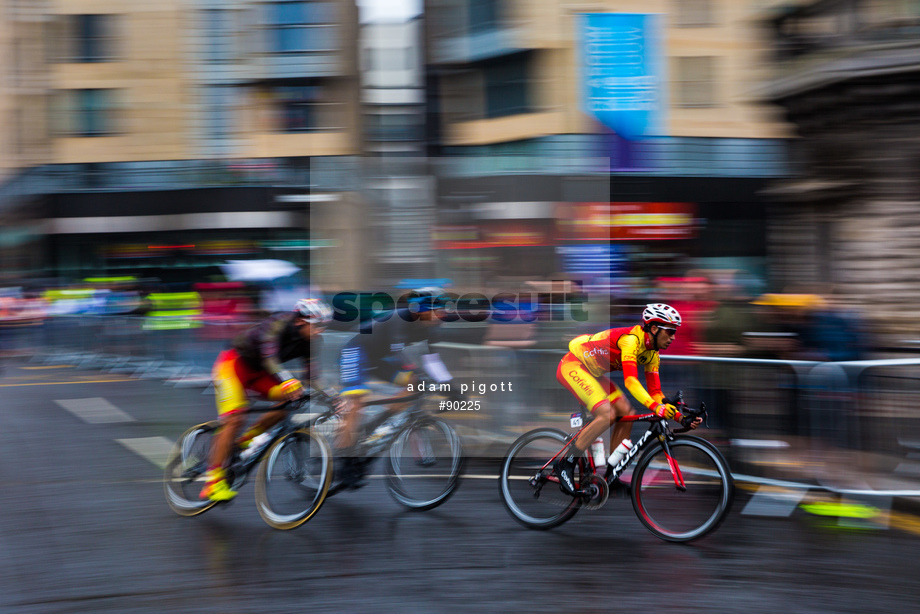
x=658, y=428
x=413, y=411
x=240, y=468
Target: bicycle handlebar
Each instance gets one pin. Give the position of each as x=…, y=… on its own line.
x=689, y=415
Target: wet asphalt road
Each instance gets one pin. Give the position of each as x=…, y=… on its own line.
x=85, y=528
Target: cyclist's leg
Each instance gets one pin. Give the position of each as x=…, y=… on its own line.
x=231, y=405
x=402, y=377
x=385, y=384
x=268, y=388
x=355, y=375
x=593, y=393
x=621, y=407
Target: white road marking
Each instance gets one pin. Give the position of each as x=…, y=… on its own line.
x=95, y=410
x=769, y=501
x=154, y=449
x=759, y=443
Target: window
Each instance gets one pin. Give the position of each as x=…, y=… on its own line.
x=695, y=13
x=483, y=15
x=220, y=106
x=506, y=86
x=302, y=26
x=389, y=58
x=696, y=82
x=394, y=127
x=305, y=108
x=95, y=38
x=85, y=113
x=220, y=35
x=82, y=38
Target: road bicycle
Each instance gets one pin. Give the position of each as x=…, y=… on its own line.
x=681, y=487
x=294, y=470
x=423, y=454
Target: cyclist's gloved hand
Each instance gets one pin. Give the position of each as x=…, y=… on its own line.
x=691, y=422
x=292, y=389
x=667, y=411
x=675, y=400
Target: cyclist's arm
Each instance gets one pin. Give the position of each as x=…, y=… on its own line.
x=629, y=346
x=312, y=372
x=435, y=368
x=269, y=340
x=653, y=381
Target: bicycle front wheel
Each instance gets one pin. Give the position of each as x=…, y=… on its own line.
x=542, y=506
x=185, y=471
x=293, y=479
x=675, y=514
x=424, y=464
x=331, y=427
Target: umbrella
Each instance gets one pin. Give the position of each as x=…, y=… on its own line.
x=258, y=270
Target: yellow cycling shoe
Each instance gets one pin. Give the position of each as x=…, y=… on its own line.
x=217, y=489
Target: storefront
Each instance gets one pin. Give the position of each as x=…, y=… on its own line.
x=176, y=236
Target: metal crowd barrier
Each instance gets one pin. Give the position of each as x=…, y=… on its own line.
x=873, y=407
x=865, y=406
x=122, y=344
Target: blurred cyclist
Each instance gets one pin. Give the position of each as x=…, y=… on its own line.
x=254, y=363
x=582, y=371
x=379, y=357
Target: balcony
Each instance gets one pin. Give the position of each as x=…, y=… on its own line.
x=477, y=44
x=818, y=50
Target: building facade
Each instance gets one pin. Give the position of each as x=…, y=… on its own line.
x=846, y=75
x=510, y=81
x=170, y=137
x=398, y=187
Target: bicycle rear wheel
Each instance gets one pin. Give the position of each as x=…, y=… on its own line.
x=184, y=475
x=424, y=464
x=536, y=507
x=677, y=515
x=293, y=479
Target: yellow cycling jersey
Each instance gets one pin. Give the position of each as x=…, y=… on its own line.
x=622, y=349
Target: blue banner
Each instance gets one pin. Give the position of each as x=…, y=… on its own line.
x=623, y=72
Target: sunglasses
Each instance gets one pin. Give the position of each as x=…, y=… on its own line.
x=670, y=331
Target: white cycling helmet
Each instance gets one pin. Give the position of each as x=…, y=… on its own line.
x=313, y=310
x=659, y=313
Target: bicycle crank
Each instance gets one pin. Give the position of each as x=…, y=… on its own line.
x=593, y=495
x=596, y=493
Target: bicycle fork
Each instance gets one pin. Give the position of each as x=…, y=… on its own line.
x=675, y=468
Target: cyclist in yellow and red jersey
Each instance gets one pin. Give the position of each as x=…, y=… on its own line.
x=582, y=371
x=254, y=363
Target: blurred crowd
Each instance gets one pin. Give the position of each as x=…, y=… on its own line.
x=721, y=316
